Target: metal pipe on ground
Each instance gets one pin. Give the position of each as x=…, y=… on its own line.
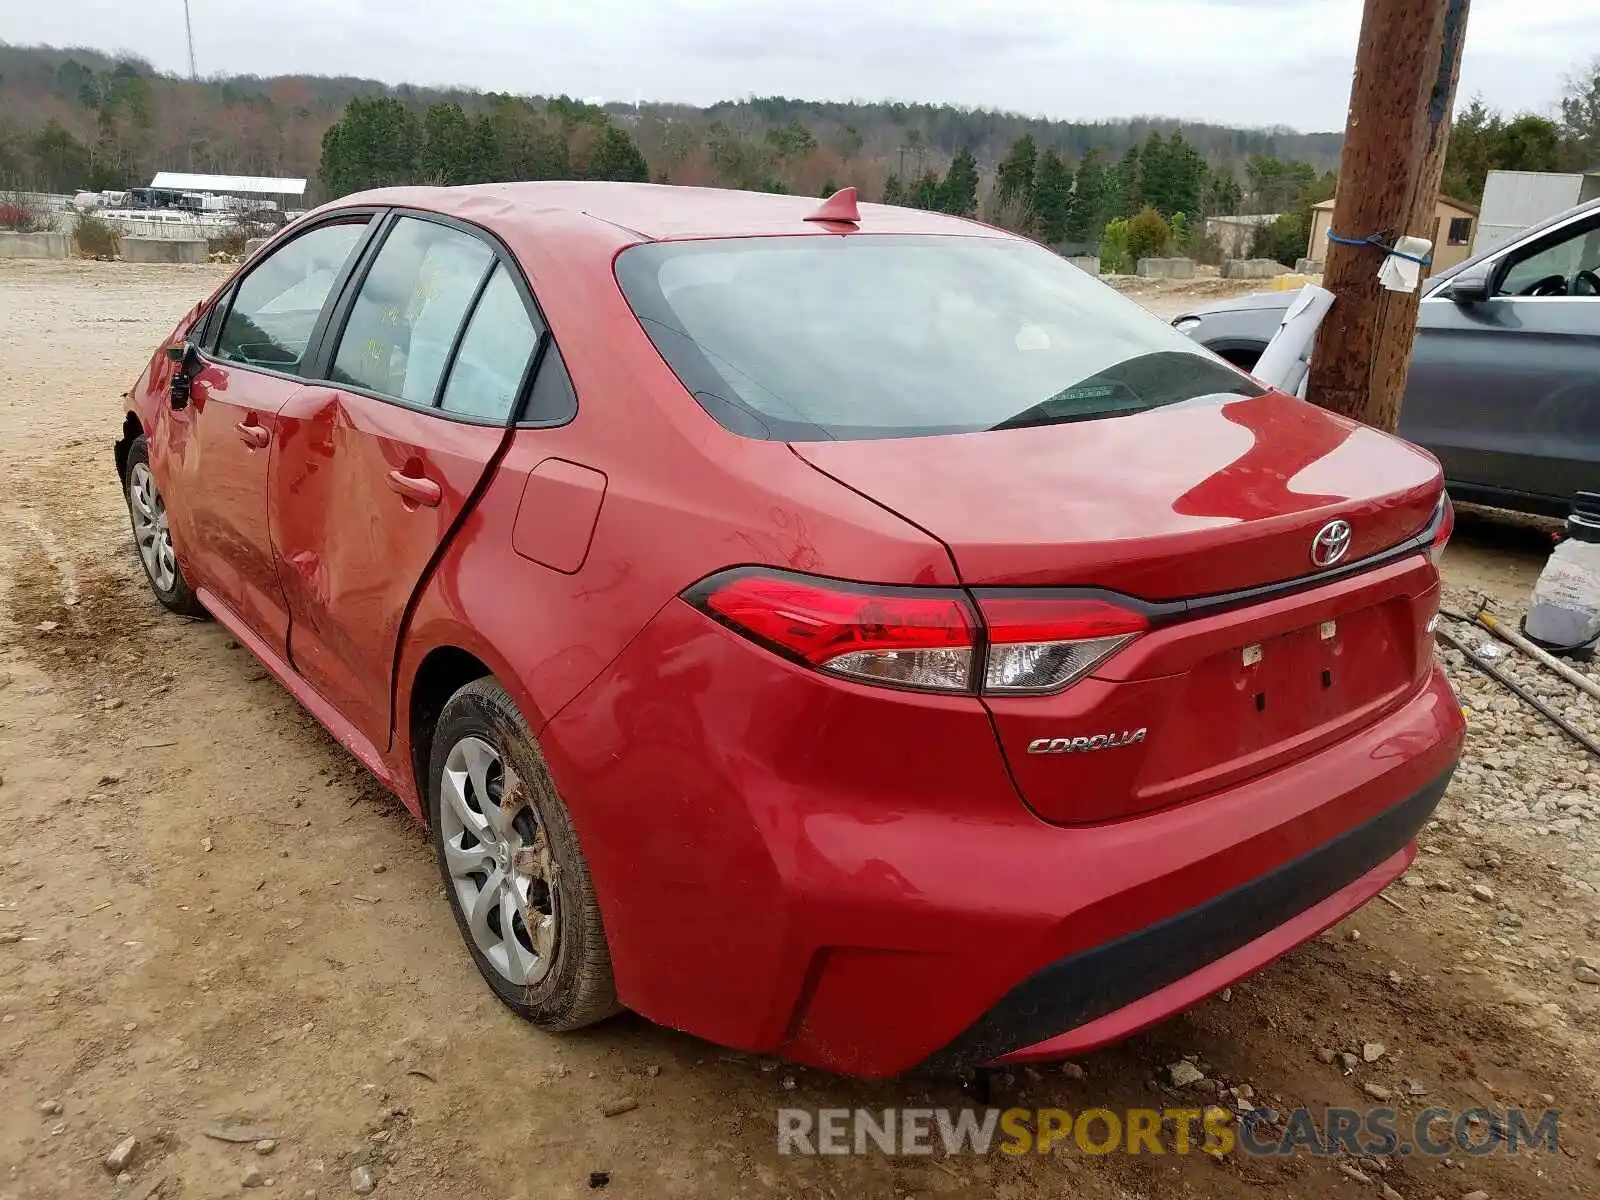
x=1520, y=692
x=1506, y=634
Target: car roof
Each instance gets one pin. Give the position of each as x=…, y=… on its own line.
x=653, y=211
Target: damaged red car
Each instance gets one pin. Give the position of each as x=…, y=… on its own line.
x=840, y=632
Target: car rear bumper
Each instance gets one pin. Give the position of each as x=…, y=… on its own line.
x=771, y=880
x=1117, y=988
x=1011, y=1020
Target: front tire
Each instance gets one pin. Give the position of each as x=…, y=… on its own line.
x=515, y=877
x=152, y=535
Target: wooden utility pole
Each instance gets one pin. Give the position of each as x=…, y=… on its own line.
x=1394, y=145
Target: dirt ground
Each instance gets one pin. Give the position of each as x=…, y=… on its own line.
x=209, y=912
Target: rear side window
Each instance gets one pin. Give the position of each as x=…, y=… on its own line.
x=409, y=309
x=812, y=338
x=276, y=306
x=486, y=377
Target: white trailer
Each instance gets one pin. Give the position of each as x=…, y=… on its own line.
x=1513, y=200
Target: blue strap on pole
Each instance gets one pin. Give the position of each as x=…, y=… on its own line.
x=1376, y=239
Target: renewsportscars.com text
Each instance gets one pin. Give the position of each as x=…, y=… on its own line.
x=1213, y=1130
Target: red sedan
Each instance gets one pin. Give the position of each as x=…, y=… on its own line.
x=846, y=633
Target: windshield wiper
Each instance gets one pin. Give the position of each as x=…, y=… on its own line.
x=1050, y=412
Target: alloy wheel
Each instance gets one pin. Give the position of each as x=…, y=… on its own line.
x=150, y=528
x=499, y=862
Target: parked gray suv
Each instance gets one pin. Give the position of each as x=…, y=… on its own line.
x=1505, y=372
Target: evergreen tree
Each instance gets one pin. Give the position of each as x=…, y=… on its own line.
x=61, y=161
x=927, y=192
x=793, y=141
x=1481, y=140
x=616, y=157
x=447, y=147
x=1185, y=178
x=1275, y=186
x=484, y=157
x=1053, y=200
x=958, y=194
x=374, y=144
x=894, y=192
x=1089, y=201
x=1223, y=195
x=1015, y=176
x=1124, y=190
x=1155, y=173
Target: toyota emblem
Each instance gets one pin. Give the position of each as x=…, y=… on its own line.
x=1331, y=543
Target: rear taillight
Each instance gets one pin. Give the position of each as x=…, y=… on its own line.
x=1043, y=644
x=907, y=637
x=1443, y=525
x=924, y=638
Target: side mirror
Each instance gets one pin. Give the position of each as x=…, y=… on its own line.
x=178, y=389
x=1472, y=285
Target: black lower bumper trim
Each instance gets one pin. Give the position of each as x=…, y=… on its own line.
x=1082, y=987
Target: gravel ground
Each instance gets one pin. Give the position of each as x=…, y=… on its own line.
x=209, y=913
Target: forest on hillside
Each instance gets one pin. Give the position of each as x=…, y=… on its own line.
x=75, y=119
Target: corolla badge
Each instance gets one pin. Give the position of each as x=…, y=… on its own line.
x=1331, y=543
x=1080, y=745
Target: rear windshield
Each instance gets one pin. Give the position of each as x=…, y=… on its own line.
x=871, y=336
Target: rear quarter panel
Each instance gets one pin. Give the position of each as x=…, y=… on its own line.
x=683, y=498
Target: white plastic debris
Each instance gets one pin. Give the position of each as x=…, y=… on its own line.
x=1283, y=364
x=1403, y=274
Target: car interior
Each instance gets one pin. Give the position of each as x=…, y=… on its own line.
x=1569, y=266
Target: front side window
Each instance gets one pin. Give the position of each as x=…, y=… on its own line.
x=872, y=336
x=1567, y=266
x=486, y=377
x=276, y=306
x=410, y=307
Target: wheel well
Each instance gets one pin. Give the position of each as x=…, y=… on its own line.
x=131, y=429
x=1243, y=357
x=444, y=671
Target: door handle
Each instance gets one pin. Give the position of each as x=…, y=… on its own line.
x=254, y=436
x=417, y=489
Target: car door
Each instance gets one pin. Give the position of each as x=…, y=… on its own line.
x=244, y=370
x=1506, y=391
x=376, y=462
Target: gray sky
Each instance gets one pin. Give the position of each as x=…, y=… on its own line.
x=1242, y=62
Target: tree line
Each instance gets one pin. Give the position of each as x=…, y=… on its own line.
x=72, y=119
x=380, y=141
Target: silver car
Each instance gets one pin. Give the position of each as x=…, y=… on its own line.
x=1505, y=373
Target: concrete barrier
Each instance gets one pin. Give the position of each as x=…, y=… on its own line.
x=1166, y=268
x=160, y=250
x=1252, y=268
x=1086, y=262
x=1308, y=266
x=32, y=245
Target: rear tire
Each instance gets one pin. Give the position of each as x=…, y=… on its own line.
x=152, y=535
x=515, y=877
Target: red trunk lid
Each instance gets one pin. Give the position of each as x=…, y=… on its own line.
x=1175, y=504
